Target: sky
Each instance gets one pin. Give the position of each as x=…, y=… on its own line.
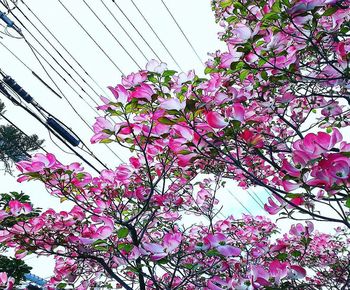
x=195, y=18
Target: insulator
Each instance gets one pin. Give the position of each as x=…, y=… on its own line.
x=63, y=131
x=18, y=89
x=7, y=20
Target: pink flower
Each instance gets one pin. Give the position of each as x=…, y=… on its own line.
x=37, y=163
x=120, y=93
x=236, y=112
x=218, y=242
x=172, y=104
x=215, y=120
x=143, y=91
x=134, y=79
x=278, y=270
x=156, y=66
x=296, y=272
x=17, y=207
x=159, y=251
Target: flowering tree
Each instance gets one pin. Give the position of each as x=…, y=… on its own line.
x=269, y=114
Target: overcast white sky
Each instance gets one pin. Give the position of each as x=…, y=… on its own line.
x=196, y=19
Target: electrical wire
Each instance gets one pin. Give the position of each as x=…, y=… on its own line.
x=7, y=95
x=138, y=32
x=40, y=109
x=33, y=72
x=183, y=33
x=156, y=34
x=64, y=59
x=110, y=32
x=70, y=104
x=239, y=202
x=125, y=31
x=82, y=27
x=64, y=48
x=255, y=200
x=54, y=59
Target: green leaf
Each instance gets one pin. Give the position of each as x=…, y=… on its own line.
x=123, y=233
x=264, y=75
x=347, y=203
x=282, y=256
x=166, y=121
x=169, y=73
x=106, y=141
x=226, y=3
x=212, y=252
x=271, y=16
x=126, y=247
x=244, y=73
x=276, y=7
x=330, y=11
x=296, y=253
x=62, y=285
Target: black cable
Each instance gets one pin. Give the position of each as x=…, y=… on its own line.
x=7, y=95
x=64, y=48
x=33, y=72
x=67, y=101
x=138, y=32
x=240, y=202
x=110, y=32
x=183, y=33
x=54, y=59
x=35, y=52
x=64, y=59
x=125, y=31
x=255, y=200
x=82, y=27
x=155, y=33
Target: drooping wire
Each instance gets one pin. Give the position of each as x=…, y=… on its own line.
x=64, y=48
x=41, y=110
x=33, y=72
x=89, y=35
x=70, y=104
x=35, y=52
x=183, y=33
x=64, y=59
x=239, y=202
x=7, y=95
x=252, y=196
x=111, y=33
x=138, y=32
x=54, y=59
x=156, y=34
x=125, y=31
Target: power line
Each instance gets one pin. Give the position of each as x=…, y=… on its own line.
x=239, y=202
x=13, y=100
x=255, y=200
x=55, y=60
x=64, y=48
x=35, y=52
x=64, y=59
x=155, y=33
x=138, y=32
x=33, y=72
x=82, y=27
x=125, y=31
x=110, y=32
x=183, y=33
x=70, y=104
